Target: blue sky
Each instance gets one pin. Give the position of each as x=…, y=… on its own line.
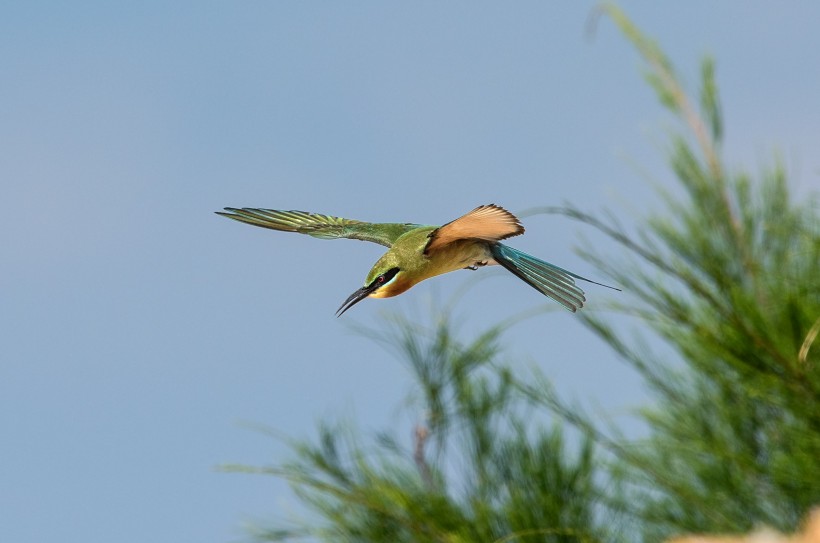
x=142, y=334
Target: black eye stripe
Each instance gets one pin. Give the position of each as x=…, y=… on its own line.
x=390, y=274
x=385, y=277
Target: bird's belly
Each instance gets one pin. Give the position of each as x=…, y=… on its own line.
x=454, y=256
x=457, y=256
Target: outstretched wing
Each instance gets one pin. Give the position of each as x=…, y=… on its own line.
x=319, y=226
x=488, y=222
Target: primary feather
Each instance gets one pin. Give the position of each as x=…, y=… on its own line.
x=318, y=225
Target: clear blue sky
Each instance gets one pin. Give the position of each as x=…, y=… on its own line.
x=140, y=332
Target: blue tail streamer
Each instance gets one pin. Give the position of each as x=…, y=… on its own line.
x=548, y=279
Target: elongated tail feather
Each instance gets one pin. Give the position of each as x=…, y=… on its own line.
x=548, y=279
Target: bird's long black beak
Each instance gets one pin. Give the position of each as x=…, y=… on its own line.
x=353, y=299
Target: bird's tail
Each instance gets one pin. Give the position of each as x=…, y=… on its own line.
x=548, y=279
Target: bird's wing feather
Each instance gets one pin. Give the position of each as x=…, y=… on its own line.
x=548, y=279
x=487, y=222
x=319, y=226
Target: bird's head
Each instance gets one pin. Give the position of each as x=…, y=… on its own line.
x=385, y=279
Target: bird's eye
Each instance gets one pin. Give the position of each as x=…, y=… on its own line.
x=384, y=278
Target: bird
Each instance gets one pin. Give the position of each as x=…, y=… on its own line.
x=417, y=252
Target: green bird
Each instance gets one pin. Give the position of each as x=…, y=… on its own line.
x=417, y=252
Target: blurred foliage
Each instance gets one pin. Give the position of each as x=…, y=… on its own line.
x=727, y=275
x=480, y=468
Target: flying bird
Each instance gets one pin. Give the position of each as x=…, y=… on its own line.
x=417, y=252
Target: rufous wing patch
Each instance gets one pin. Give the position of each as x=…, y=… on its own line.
x=487, y=222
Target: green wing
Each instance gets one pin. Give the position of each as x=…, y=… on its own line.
x=319, y=226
